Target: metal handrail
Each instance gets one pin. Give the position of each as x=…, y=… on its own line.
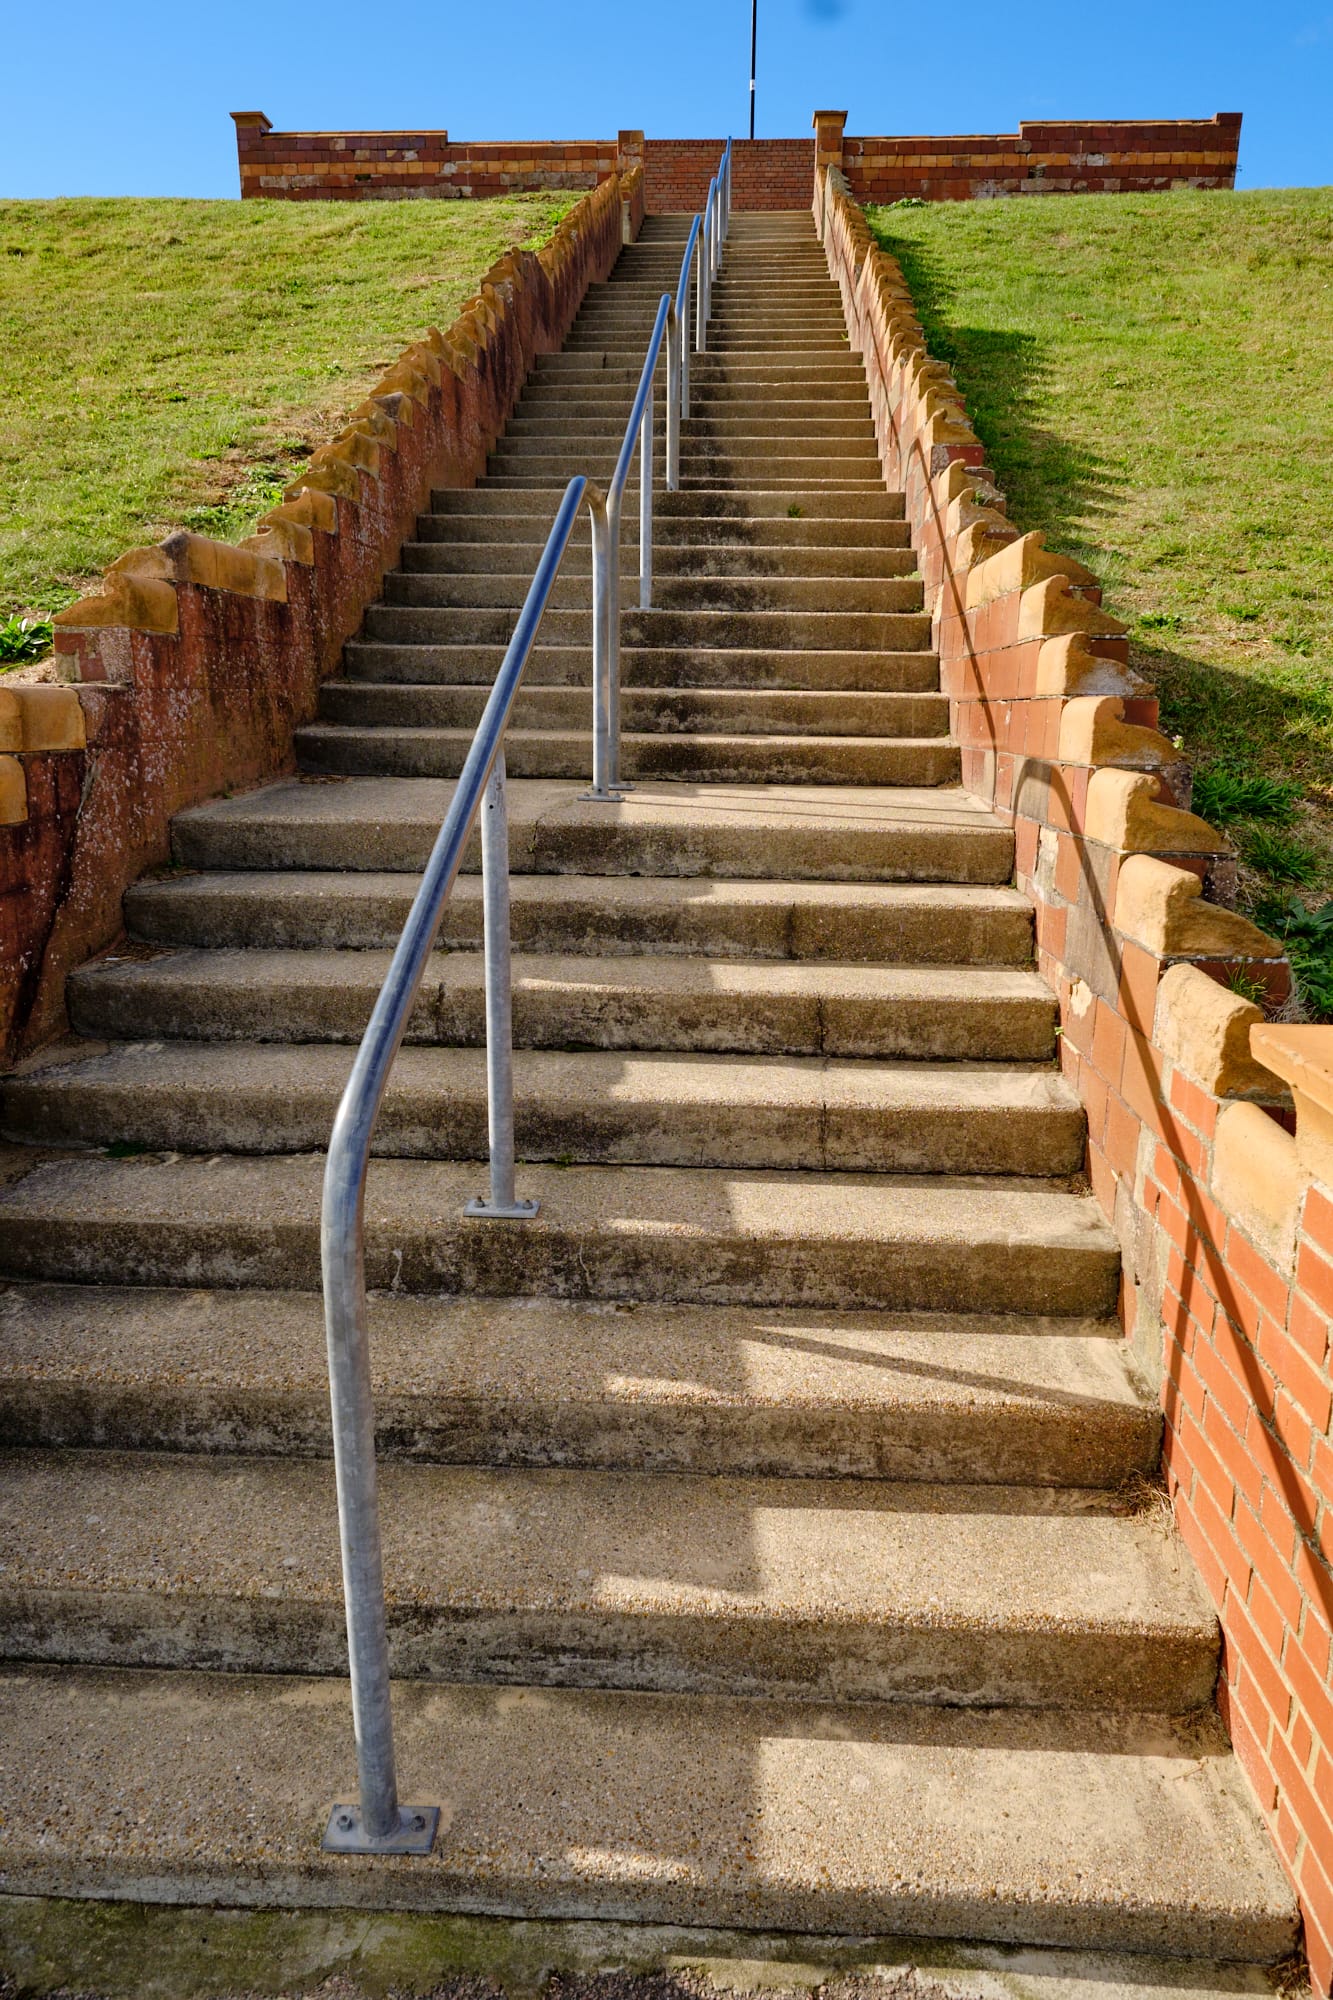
x=379, y=1824
x=703, y=249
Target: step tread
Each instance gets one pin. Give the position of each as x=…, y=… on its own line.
x=913, y=1566
x=656, y=1107
x=713, y=1236
x=845, y=827
x=1120, y=1832
x=548, y=1381
x=264, y=971
x=893, y=924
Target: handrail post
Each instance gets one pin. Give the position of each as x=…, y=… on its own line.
x=646, y=490
x=677, y=362
x=700, y=294
x=613, y=778
x=603, y=615
x=502, y=1203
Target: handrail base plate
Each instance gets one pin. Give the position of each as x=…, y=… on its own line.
x=414, y=1834
x=490, y=1211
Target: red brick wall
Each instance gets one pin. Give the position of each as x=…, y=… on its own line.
x=765, y=173
x=1223, y=1211
x=1048, y=157
x=394, y=166
x=1042, y=157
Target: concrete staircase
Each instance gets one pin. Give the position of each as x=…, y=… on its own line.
x=768, y=1528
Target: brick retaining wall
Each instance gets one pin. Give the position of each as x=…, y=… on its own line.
x=1210, y=1130
x=189, y=671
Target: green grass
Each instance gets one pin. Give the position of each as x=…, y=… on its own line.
x=169, y=363
x=1152, y=376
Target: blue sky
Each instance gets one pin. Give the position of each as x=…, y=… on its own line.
x=114, y=100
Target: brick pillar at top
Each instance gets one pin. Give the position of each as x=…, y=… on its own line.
x=829, y=127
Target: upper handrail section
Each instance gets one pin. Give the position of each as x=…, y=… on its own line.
x=703, y=251
x=380, y=1825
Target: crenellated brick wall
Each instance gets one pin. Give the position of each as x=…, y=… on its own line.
x=1210, y=1129
x=1043, y=157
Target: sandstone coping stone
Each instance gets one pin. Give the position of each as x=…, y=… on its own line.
x=1303, y=1058
x=1024, y=564
x=1053, y=606
x=1125, y=810
x=1257, y=1178
x=1204, y=1029
x=1162, y=908
x=1072, y=665
x=1093, y=730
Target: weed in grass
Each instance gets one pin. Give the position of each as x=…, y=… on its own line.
x=1161, y=621
x=1223, y=795
x=1280, y=856
x=23, y=639
x=1247, y=986
x=1307, y=937
x=235, y=515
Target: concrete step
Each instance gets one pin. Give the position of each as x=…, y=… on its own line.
x=563, y=1000
x=722, y=504
x=770, y=833
x=649, y=667
x=706, y=1236
x=543, y=1381
x=650, y=1108
x=668, y=711
x=712, y=594
x=735, y=477
x=803, y=631
x=697, y=468
x=701, y=426
x=966, y=931
x=1122, y=1833
x=666, y=1582
x=694, y=758
x=674, y=562
x=799, y=538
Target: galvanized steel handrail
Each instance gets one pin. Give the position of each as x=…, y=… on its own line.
x=379, y=1824
x=703, y=249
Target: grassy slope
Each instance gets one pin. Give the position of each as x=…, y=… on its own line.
x=158, y=358
x=1153, y=379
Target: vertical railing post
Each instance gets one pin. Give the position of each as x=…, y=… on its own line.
x=502, y=1203
x=700, y=294
x=646, y=491
x=613, y=648
x=678, y=350
x=603, y=617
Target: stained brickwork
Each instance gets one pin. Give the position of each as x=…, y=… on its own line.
x=1048, y=157
x=398, y=166
x=1042, y=157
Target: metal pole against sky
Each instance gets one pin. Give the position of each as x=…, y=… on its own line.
x=754, y=44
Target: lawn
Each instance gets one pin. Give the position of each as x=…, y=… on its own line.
x=168, y=363
x=1152, y=376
